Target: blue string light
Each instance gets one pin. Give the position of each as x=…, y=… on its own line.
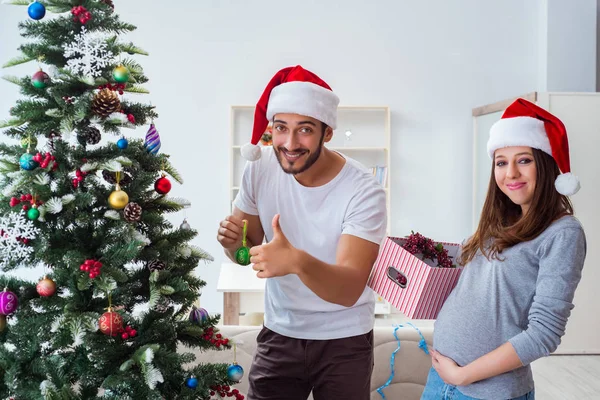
x=422, y=346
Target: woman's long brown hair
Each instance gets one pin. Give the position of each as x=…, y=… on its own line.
x=501, y=224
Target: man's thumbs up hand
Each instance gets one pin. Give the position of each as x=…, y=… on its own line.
x=276, y=258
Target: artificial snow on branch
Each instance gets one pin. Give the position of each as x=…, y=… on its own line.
x=47, y=389
x=185, y=251
x=54, y=205
x=42, y=179
x=67, y=198
x=12, y=188
x=89, y=166
x=57, y=323
x=66, y=125
x=152, y=375
x=112, y=214
x=117, y=118
x=114, y=165
x=140, y=237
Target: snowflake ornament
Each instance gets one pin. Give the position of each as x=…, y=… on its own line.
x=14, y=228
x=88, y=54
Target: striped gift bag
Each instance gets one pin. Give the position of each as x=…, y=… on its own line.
x=409, y=284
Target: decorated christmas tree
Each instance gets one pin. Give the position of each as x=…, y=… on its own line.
x=114, y=315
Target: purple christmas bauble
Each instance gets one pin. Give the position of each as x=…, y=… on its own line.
x=198, y=315
x=8, y=302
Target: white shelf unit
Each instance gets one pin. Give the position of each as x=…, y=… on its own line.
x=368, y=144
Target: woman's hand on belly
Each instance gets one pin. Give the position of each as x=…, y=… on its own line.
x=448, y=369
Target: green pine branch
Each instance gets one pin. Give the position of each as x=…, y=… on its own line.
x=123, y=253
x=117, y=274
x=17, y=2
x=58, y=6
x=173, y=172
x=167, y=204
x=11, y=122
x=132, y=49
x=136, y=89
x=50, y=52
x=13, y=79
x=7, y=166
x=55, y=29
x=113, y=25
x=201, y=254
x=134, y=68
x=22, y=59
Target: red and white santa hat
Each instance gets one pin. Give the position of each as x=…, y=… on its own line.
x=292, y=90
x=525, y=124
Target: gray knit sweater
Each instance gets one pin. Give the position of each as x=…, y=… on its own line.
x=525, y=299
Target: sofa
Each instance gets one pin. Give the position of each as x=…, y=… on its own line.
x=411, y=363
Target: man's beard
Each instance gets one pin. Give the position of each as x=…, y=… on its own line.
x=312, y=158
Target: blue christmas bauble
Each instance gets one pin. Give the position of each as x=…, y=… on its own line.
x=27, y=162
x=122, y=143
x=191, y=382
x=235, y=372
x=36, y=10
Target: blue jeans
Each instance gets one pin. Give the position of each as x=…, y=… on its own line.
x=436, y=389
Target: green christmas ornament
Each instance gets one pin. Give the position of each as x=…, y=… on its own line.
x=33, y=214
x=121, y=74
x=29, y=142
x=40, y=79
x=242, y=255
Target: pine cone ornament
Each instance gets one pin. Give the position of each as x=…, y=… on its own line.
x=156, y=265
x=106, y=102
x=132, y=212
x=111, y=177
x=109, y=2
x=162, y=306
x=89, y=135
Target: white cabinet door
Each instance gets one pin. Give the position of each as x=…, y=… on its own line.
x=580, y=112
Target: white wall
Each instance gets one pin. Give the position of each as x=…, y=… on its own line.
x=597, y=45
x=431, y=62
x=570, y=58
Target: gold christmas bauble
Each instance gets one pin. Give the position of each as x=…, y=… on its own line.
x=118, y=199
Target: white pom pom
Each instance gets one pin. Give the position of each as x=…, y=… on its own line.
x=250, y=152
x=567, y=184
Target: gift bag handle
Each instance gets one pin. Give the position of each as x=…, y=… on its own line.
x=397, y=277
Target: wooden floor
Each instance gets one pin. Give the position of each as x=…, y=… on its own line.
x=561, y=377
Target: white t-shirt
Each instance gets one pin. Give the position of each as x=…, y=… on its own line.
x=313, y=219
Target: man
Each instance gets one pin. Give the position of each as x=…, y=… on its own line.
x=323, y=216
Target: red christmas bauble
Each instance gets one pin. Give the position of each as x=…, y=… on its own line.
x=46, y=287
x=111, y=323
x=162, y=185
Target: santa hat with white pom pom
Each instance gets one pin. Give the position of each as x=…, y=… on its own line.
x=525, y=124
x=293, y=90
